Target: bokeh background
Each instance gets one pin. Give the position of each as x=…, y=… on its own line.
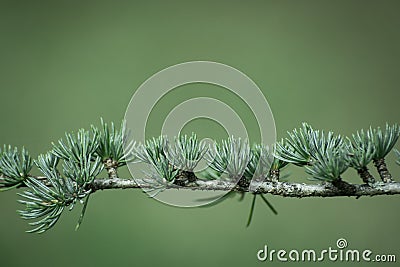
x=65, y=64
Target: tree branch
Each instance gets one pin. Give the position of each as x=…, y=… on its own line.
x=84, y=155
x=283, y=189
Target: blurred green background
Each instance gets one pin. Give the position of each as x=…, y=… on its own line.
x=65, y=64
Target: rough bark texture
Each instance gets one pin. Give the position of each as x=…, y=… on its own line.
x=243, y=182
x=366, y=176
x=344, y=186
x=284, y=189
x=185, y=177
x=380, y=165
x=111, y=167
x=274, y=175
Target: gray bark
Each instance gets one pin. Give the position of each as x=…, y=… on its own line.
x=283, y=189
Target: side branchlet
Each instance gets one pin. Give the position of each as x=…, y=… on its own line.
x=383, y=142
x=360, y=152
x=186, y=153
x=154, y=153
x=328, y=167
x=114, y=147
x=15, y=166
x=230, y=157
x=45, y=203
x=76, y=147
x=259, y=164
x=296, y=148
x=45, y=200
x=305, y=145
